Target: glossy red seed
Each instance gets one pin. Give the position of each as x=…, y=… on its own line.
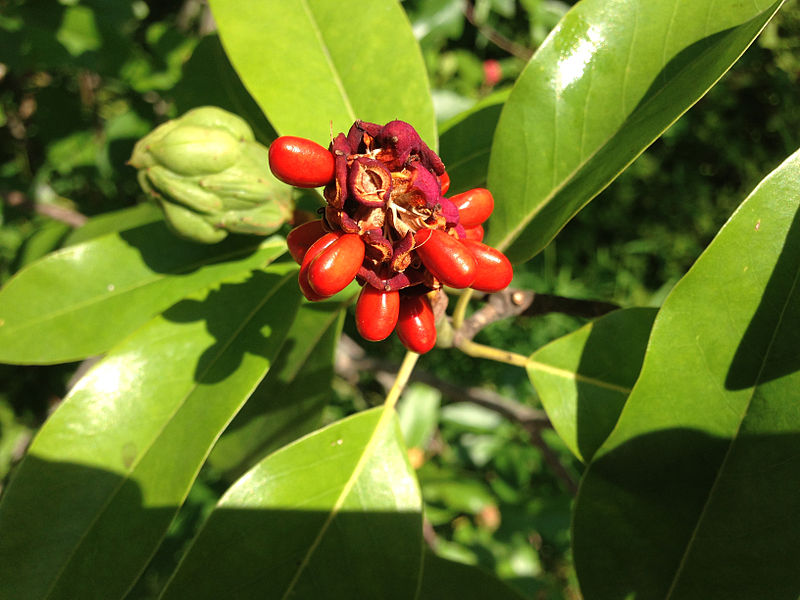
x=444, y=182
x=300, y=162
x=376, y=313
x=416, y=327
x=474, y=206
x=445, y=257
x=474, y=233
x=336, y=266
x=314, y=251
x=494, y=271
x=302, y=237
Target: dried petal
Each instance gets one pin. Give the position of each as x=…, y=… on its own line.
x=379, y=249
x=402, y=252
x=336, y=191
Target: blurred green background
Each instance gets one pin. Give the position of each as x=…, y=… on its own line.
x=80, y=82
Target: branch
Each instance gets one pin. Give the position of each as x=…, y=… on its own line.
x=494, y=36
x=522, y=303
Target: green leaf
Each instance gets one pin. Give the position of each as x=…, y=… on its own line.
x=289, y=401
x=444, y=578
x=418, y=411
x=101, y=482
x=115, y=221
x=79, y=301
x=692, y=495
x=228, y=93
x=611, y=78
x=315, y=66
x=466, y=141
x=336, y=514
x=584, y=378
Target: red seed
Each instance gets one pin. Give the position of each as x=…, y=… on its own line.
x=445, y=257
x=444, y=182
x=302, y=237
x=474, y=233
x=336, y=266
x=493, y=272
x=314, y=251
x=300, y=162
x=474, y=206
x=416, y=327
x=376, y=313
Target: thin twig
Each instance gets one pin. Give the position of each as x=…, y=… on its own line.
x=494, y=36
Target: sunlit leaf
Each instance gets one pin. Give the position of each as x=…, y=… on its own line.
x=335, y=515
x=693, y=494
x=607, y=82
x=584, y=378
x=315, y=66
x=104, y=477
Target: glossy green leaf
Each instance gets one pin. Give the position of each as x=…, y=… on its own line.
x=315, y=66
x=209, y=60
x=693, y=496
x=112, y=222
x=418, y=411
x=289, y=401
x=444, y=578
x=607, y=82
x=104, y=477
x=335, y=515
x=584, y=378
x=466, y=141
x=79, y=301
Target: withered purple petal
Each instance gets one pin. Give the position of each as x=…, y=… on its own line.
x=369, y=182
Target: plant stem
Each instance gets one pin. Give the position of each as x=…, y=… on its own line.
x=460, y=310
x=481, y=351
x=401, y=380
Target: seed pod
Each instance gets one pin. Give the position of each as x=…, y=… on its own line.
x=493, y=272
x=300, y=162
x=337, y=265
x=314, y=251
x=474, y=206
x=445, y=257
x=210, y=177
x=377, y=312
x=416, y=327
x=302, y=237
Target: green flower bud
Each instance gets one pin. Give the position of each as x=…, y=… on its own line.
x=211, y=177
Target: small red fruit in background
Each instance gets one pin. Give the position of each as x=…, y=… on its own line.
x=377, y=312
x=300, y=162
x=445, y=257
x=416, y=327
x=302, y=237
x=493, y=272
x=336, y=265
x=474, y=206
x=492, y=72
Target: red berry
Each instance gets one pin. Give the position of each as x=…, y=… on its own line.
x=445, y=257
x=474, y=206
x=444, y=182
x=314, y=251
x=302, y=237
x=336, y=266
x=300, y=162
x=493, y=272
x=416, y=327
x=376, y=313
x=474, y=233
